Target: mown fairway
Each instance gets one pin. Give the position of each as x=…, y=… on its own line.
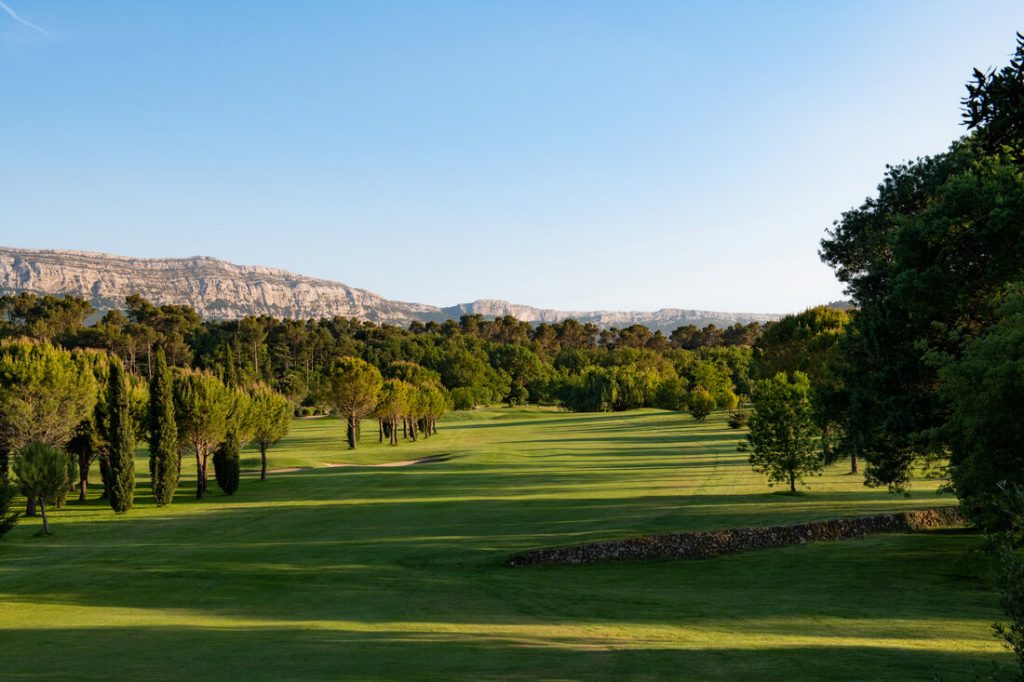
x=395, y=573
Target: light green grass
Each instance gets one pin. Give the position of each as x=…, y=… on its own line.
x=396, y=573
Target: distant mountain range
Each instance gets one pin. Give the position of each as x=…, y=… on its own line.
x=221, y=290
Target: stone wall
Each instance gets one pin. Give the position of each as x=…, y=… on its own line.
x=705, y=544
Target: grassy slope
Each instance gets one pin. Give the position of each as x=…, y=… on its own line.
x=386, y=574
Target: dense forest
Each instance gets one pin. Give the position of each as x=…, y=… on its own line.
x=477, y=361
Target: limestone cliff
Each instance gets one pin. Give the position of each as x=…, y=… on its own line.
x=221, y=290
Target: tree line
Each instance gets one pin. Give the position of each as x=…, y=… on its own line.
x=62, y=411
x=926, y=371
x=476, y=361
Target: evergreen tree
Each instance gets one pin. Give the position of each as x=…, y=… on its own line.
x=202, y=405
x=44, y=474
x=227, y=456
x=120, y=440
x=227, y=463
x=89, y=444
x=230, y=368
x=8, y=516
x=271, y=418
x=164, y=456
x=354, y=386
x=44, y=396
x=783, y=436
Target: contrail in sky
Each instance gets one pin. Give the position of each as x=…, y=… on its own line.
x=5, y=7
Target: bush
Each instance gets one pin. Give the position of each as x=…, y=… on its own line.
x=727, y=400
x=701, y=403
x=226, y=464
x=737, y=419
x=463, y=398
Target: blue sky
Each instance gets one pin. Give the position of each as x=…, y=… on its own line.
x=578, y=155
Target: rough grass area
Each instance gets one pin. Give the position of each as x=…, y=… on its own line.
x=396, y=573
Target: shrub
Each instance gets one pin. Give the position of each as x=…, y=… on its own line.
x=701, y=403
x=737, y=419
x=226, y=463
x=727, y=400
x=463, y=398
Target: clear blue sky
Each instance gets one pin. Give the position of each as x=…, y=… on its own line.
x=579, y=155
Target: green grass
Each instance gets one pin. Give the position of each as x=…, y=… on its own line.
x=396, y=573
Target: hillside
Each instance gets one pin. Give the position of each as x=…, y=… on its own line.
x=221, y=290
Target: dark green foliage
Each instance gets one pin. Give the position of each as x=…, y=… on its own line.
x=700, y=403
x=44, y=474
x=737, y=419
x=1008, y=508
x=8, y=515
x=983, y=388
x=994, y=104
x=120, y=441
x=783, y=437
x=227, y=463
x=922, y=260
x=164, y=455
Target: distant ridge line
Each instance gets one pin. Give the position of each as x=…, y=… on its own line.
x=218, y=289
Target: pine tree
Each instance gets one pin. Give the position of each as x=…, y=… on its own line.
x=44, y=474
x=271, y=417
x=121, y=439
x=164, y=456
x=202, y=407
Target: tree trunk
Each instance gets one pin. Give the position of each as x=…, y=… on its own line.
x=30, y=506
x=405, y=430
x=83, y=477
x=412, y=429
x=352, y=431
x=199, y=474
x=380, y=430
x=394, y=432
x=263, y=462
x=46, y=523
x=854, y=463
x=792, y=483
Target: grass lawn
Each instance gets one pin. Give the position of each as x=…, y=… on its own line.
x=395, y=573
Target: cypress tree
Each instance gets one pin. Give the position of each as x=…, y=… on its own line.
x=230, y=377
x=226, y=463
x=164, y=457
x=121, y=455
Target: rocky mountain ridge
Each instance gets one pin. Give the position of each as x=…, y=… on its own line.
x=221, y=290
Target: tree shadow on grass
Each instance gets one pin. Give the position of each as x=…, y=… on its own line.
x=273, y=653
